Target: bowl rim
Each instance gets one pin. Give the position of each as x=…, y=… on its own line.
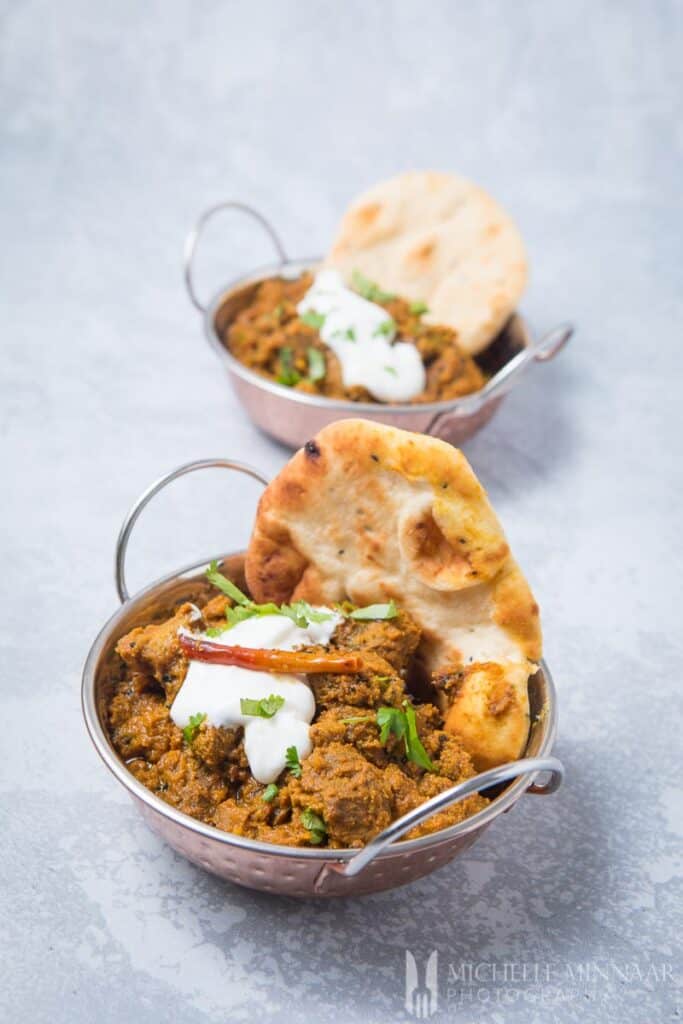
x=465, y=405
x=100, y=739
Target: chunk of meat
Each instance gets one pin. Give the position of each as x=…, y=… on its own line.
x=354, y=726
x=217, y=747
x=394, y=640
x=156, y=649
x=346, y=791
x=213, y=611
x=410, y=793
x=371, y=689
x=140, y=726
x=183, y=781
x=429, y=786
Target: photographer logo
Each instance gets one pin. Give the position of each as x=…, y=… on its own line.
x=422, y=994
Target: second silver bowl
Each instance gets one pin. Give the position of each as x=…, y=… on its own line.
x=293, y=416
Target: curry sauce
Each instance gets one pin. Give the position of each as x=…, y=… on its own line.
x=357, y=778
x=270, y=336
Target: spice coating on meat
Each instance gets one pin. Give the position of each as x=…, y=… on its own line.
x=351, y=786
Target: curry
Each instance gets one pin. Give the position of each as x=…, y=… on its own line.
x=279, y=338
x=375, y=751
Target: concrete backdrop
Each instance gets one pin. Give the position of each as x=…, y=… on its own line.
x=119, y=124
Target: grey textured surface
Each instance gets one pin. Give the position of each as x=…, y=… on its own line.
x=119, y=123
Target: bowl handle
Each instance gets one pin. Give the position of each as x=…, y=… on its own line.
x=144, y=499
x=193, y=238
x=541, y=350
x=503, y=773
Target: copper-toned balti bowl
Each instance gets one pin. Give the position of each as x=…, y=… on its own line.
x=293, y=416
x=386, y=861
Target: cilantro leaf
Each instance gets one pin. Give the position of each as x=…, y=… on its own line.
x=239, y=614
x=302, y=614
x=292, y=762
x=368, y=289
x=226, y=586
x=266, y=707
x=316, y=365
x=375, y=611
x=313, y=319
x=269, y=793
x=418, y=308
x=392, y=370
x=391, y=720
x=315, y=825
x=387, y=328
x=402, y=723
x=288, y=375
x=192, y=728
x=414, y=750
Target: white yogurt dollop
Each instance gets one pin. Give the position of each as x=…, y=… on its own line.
x=216, y=691
x=360, y=333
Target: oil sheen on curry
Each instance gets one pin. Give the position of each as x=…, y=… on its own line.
x=291, y=724
x=353, y=341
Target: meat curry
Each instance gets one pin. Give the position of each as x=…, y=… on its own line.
x=274, y=337
x=376, y=752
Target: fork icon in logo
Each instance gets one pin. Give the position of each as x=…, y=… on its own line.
x=422, y=999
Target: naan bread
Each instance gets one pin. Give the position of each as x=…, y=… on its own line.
x=368, y=512
x=440, y=239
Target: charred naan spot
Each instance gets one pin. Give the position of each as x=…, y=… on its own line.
x=366, y=215
x=375, y=458
x=312, y=450
x=423, y=253
x=501, y=698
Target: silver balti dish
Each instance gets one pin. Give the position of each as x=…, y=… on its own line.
x=292, y=416
x=383, y=863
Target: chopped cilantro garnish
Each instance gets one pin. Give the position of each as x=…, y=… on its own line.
x=225, y=585
x=387, y=328
x=266, y=707
x=292, y=762
x=269, y=793
x=239, y=614
x=302, y=614
x=391, y=720
x=288, y=375
x=375, y=611
x=418, y=308
x=368, y=289
x=350, y=334
x=316, y=365
x=357, y=718
x=414, y=750
x=192, y=728
x=392, y=370
x=315, y=825
x=278, y=311
x=401, y=723
x=313, y=319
